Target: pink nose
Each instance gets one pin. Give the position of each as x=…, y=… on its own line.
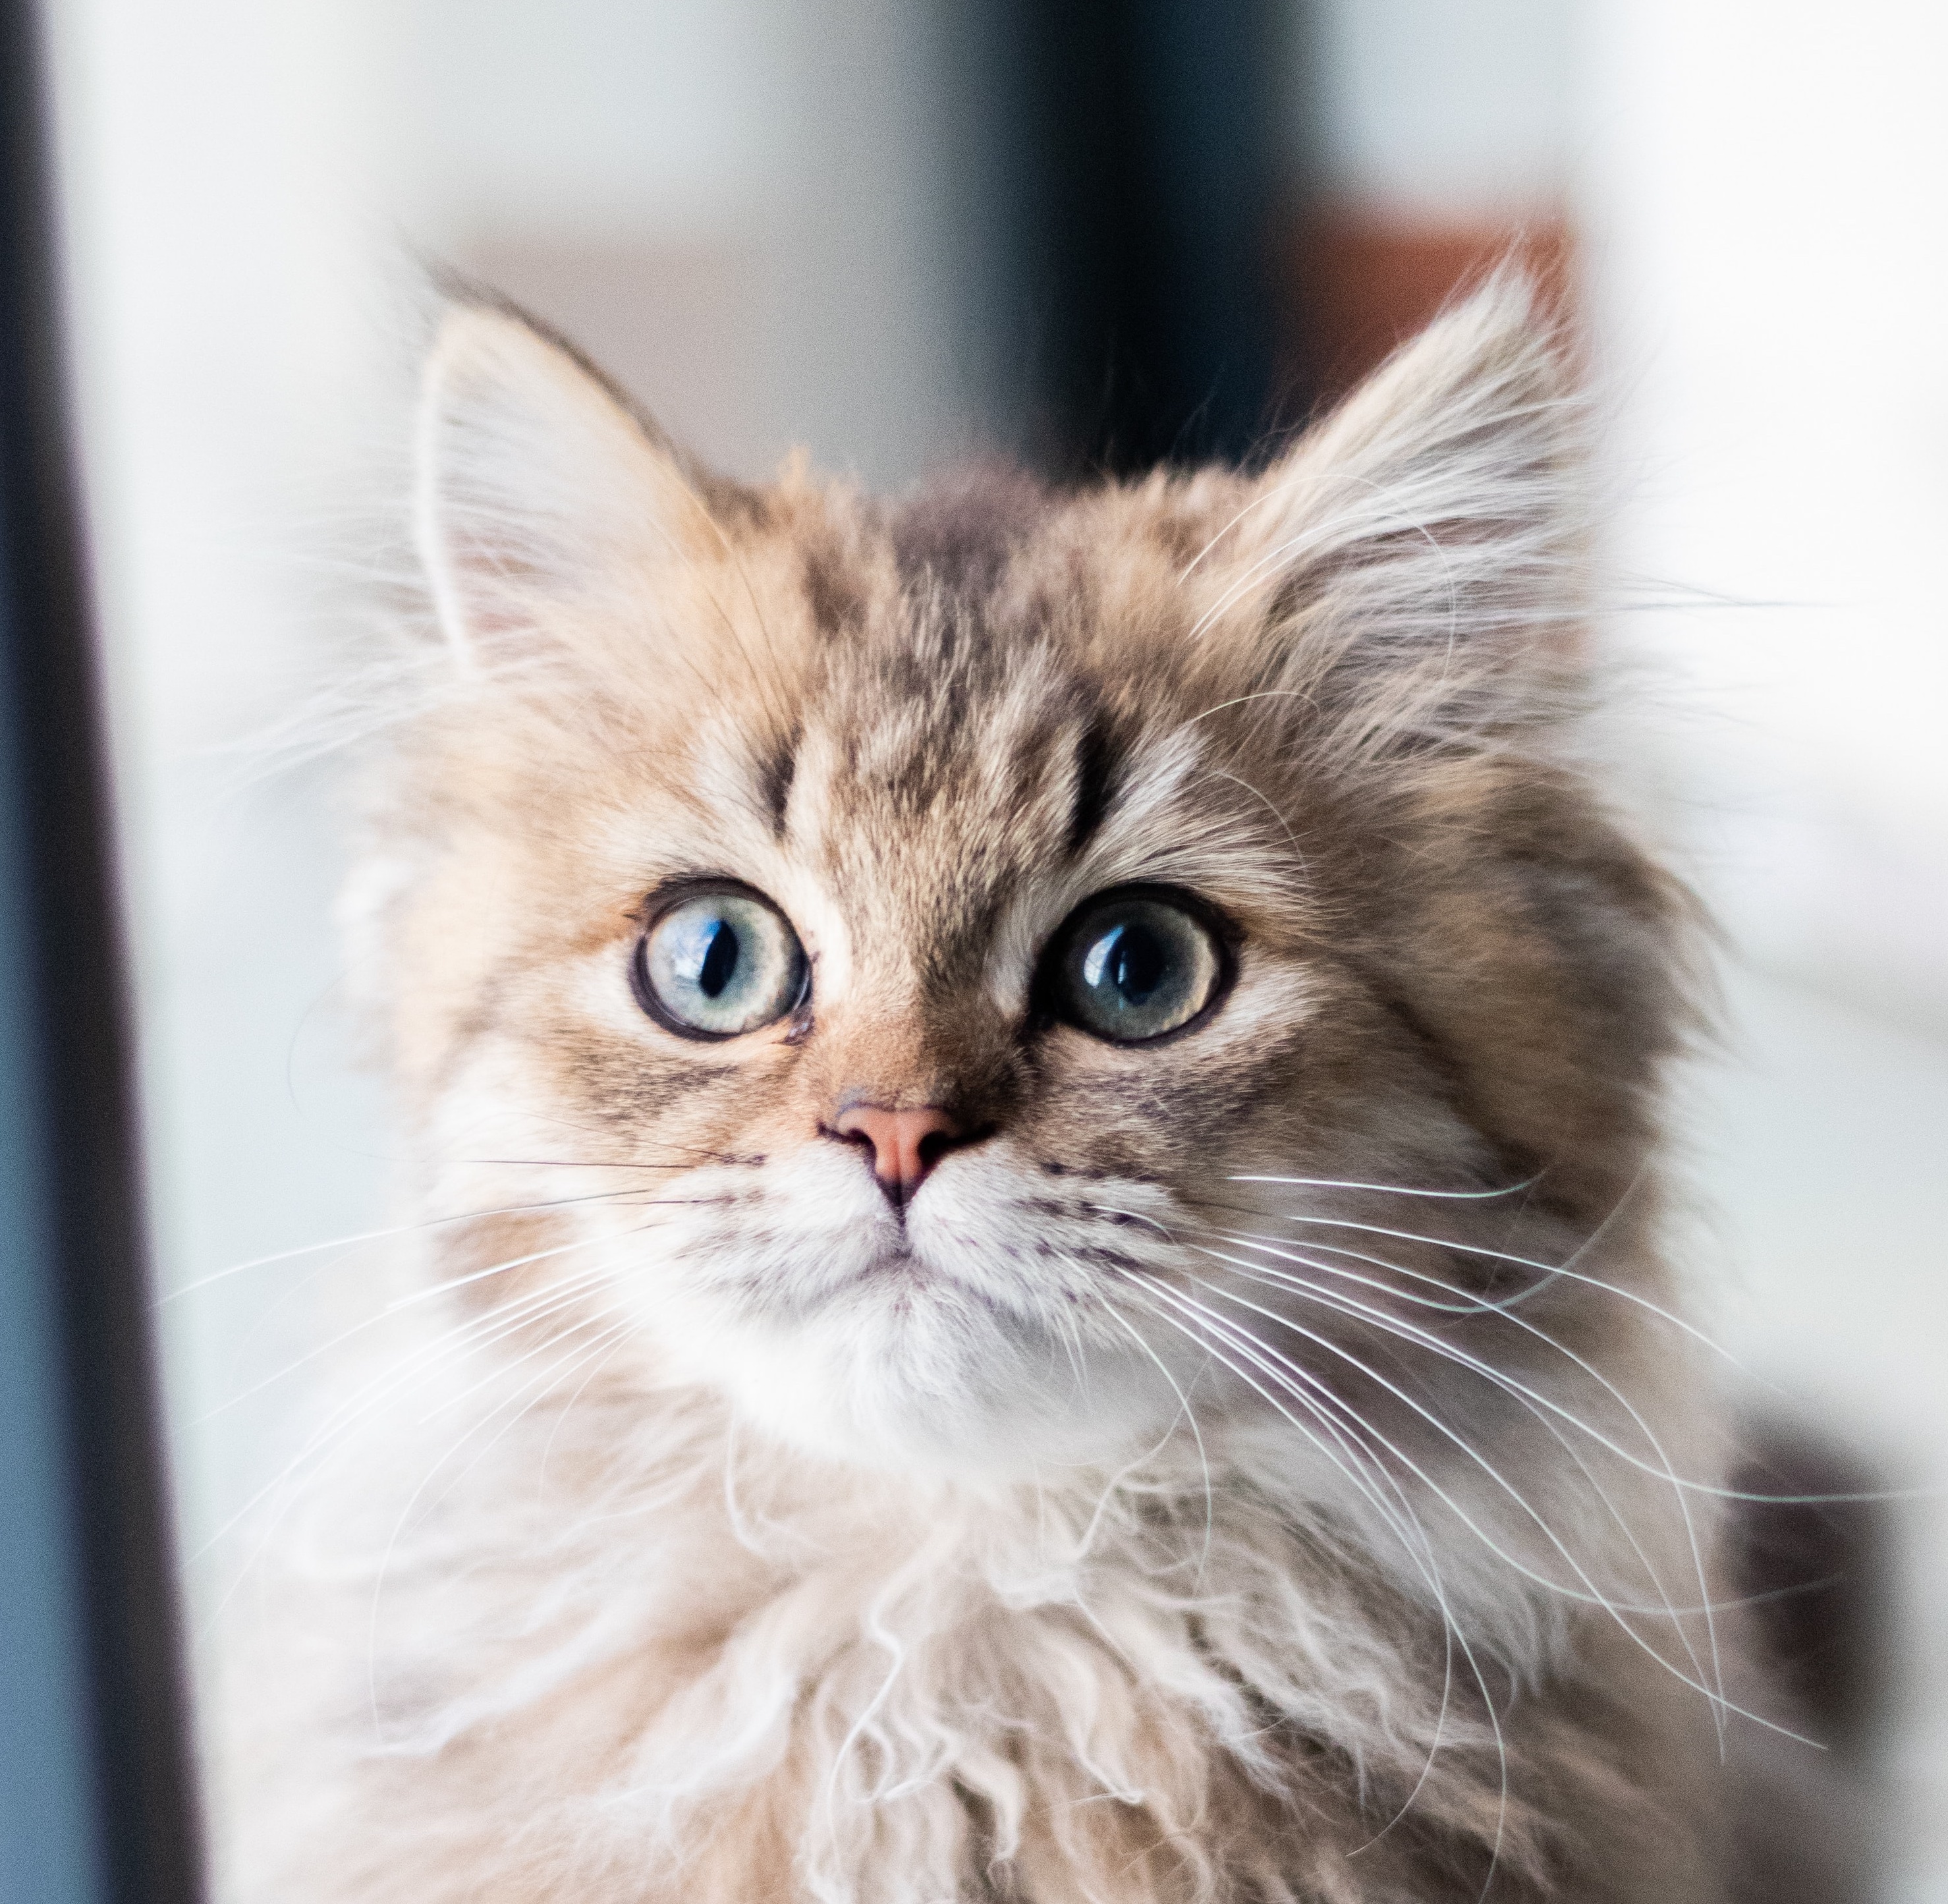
x=906, y=1144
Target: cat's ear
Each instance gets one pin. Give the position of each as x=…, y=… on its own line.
x=1414, y=568
x=536, y=488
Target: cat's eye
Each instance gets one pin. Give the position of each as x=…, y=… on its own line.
x=719, y=962
x=1137, y=964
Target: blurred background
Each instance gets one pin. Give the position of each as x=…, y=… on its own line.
x=1090, y=235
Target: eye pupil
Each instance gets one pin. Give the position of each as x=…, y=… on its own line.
x=1138, y=963
x=720, y=959
x=1128, y=958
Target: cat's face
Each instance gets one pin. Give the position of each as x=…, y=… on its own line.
x=936, y=960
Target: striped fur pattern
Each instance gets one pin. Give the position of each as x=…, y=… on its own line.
x=1270, y=1465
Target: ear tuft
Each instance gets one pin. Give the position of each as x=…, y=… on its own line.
x=1417, y=559
x=536, y=485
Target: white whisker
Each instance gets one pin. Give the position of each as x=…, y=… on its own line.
x=1188, y=1414
x=1393, y=1189
x=392, y=1233
x=1536, y=1404
x=1407, y=1526
x=1551, y=1270
x=1591, y=1594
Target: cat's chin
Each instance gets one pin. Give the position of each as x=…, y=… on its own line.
x=929, y=1382
x=936, y=1437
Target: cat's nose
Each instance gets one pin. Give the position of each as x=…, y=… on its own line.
x=906, y=1145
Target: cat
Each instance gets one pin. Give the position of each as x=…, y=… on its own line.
x=1039, y=1134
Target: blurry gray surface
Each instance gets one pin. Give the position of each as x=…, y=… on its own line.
x=1822, y=1147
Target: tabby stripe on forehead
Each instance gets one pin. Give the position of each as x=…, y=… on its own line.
x=775, y=773
x=1094, y=782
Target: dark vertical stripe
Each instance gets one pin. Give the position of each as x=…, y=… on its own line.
x=115, y=1820
x=1146, y=185
x=1094, y=777
x=775, y=775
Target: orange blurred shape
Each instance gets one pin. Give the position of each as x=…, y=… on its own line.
x=1358, y=279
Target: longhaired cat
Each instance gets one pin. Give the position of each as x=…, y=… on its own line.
x=1037, y=1118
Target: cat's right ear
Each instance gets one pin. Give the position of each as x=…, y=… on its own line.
x=537, y=491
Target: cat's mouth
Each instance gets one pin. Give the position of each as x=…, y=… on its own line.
x=901, y=1267
x=898, y=1265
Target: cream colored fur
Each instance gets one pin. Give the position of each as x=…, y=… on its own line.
x=1266, y=1467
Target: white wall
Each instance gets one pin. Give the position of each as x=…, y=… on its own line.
x=1767, y=190
x=1430, y=108
x=1765, y=194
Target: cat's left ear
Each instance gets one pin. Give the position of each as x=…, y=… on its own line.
x=537, y=489
x=1413, y=569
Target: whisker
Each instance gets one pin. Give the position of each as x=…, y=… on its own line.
x=384, y=1315
x=1534, y=1400
x=332, y=1436
x=1394, y=1189
x=399, y=1526
x=1189, y=1416
x=1593, y=1596
x=1547, y=1269
x=1413, y=1537
x=467, y=1338
x=1536, y=1403
x=547, y=1450
x=1441, y=1346
x=387, y=1235
x=1440, y=1428
x=437, y=1289
x=1472, y=1305
x=331, y=1433
x=1408, y=1528
x=692, y=1159
x=501, y=1371
x=1283, y=1369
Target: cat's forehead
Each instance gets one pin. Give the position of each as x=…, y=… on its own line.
x=985, y=620
x=991, y=764
x=957, y=698
x=928, y=785
x=954, y=761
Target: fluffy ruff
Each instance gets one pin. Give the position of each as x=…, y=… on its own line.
x=618, y=1652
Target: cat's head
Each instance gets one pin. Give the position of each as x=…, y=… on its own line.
x=950, y=972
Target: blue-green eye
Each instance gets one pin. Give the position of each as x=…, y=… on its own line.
x=1136, y=965
x=720, y=963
